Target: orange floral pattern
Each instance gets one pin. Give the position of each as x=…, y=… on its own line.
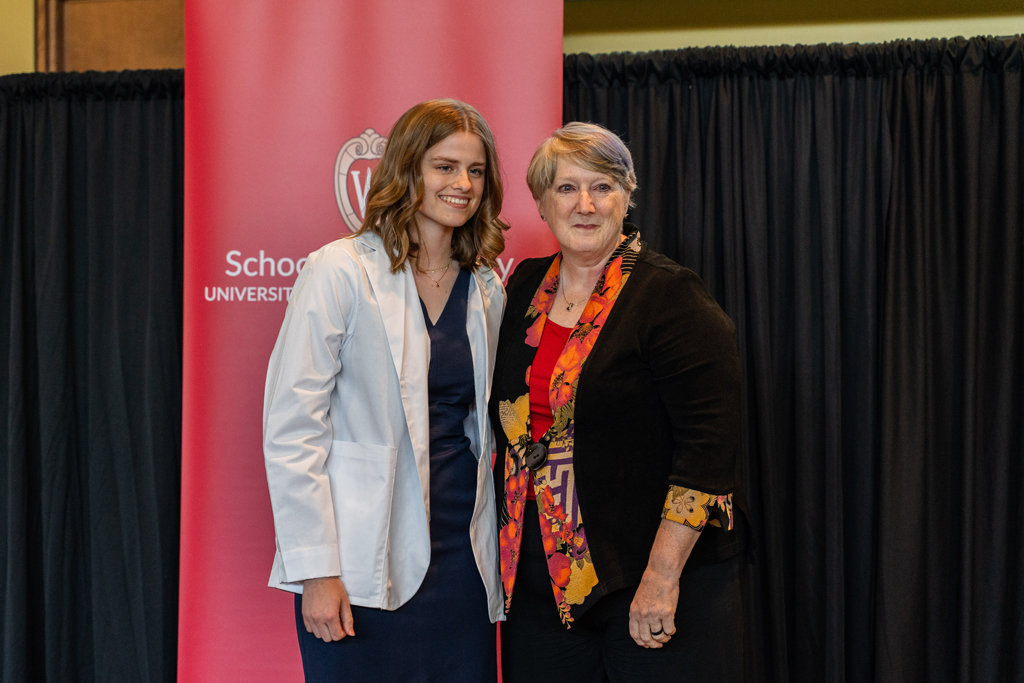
x=573, y=577
x=694, y=509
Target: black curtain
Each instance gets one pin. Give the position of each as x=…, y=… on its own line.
x=91, y=171
x=857, y=210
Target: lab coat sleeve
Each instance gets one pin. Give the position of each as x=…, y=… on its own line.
x=297, y=430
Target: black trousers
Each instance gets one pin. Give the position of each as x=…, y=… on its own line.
x=535, y=646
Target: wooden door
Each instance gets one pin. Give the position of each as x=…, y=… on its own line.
x=109, y=35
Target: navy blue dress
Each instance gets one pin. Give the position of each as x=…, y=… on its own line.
x=443, y=633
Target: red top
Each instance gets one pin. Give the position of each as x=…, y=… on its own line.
x=552, y=341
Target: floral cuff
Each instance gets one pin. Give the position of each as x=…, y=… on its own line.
x=695, y=509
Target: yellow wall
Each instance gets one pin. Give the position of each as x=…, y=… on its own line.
x=597, y=16
x=17, y=36
x=795, y=34
x=598, y=26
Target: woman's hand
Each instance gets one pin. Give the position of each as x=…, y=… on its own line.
x=326, y=611
x=652, y=613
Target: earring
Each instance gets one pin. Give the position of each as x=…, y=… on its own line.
x=542, y=217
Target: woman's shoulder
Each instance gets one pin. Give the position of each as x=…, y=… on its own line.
x=659, y=270
x=661, y=266
x=346, y=255
x=340, y=252
x=661, y=280
x=526, y=272
x=332, y=269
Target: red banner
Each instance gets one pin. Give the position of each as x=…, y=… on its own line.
x=286, y=107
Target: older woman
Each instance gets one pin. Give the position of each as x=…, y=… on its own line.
x=376, y=435
x=617, y=393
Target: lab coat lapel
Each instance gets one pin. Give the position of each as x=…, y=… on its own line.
x=399, y=304
x=482, y=321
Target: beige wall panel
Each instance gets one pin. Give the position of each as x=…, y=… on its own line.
x=110, y=35
x=17, y=34
x=598, y=16
x=861, y=32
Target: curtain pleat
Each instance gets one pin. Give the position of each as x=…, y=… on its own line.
x=90, y=279
x=856, y=210
x=953, y=381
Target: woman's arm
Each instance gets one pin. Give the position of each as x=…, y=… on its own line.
x=297, y=430
x=695, y=367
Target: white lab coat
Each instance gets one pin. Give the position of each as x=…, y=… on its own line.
x=346, y=434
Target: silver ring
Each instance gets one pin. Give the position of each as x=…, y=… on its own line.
x=658, y=632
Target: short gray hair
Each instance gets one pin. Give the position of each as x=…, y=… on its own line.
x=588, y=145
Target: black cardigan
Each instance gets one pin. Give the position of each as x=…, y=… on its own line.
x=658, y=403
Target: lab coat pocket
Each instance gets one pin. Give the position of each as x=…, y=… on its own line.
x=362, y=483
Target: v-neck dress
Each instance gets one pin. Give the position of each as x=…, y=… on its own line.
x=443, y=633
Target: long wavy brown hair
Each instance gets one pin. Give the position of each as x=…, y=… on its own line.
x=396, y=188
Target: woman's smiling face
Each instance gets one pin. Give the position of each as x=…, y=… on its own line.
x=584, y=210
x=453, y=181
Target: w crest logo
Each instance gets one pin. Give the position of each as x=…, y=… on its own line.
x=352, y=172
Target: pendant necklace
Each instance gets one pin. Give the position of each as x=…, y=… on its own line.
x=437, y=282
x=571, y=304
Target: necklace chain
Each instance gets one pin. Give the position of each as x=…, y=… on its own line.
x=571, y=304
x=427, y=272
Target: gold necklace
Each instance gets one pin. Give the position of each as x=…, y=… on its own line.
x=437, y=282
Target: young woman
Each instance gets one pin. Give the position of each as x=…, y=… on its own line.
x=376, y=435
